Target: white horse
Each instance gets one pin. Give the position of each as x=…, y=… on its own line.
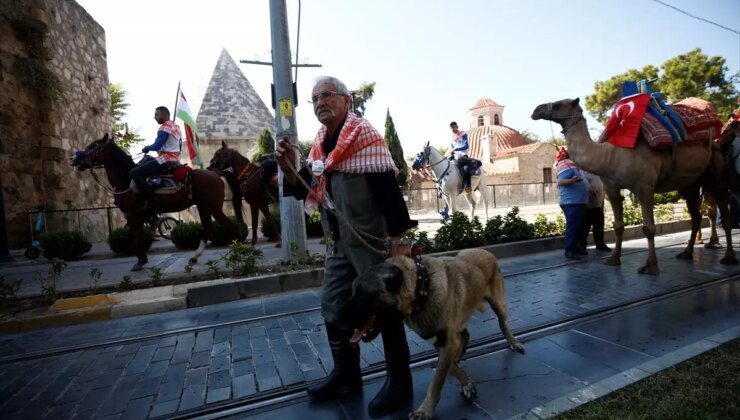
x=449, y=180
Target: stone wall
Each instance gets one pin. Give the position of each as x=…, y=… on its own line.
x=39, y=133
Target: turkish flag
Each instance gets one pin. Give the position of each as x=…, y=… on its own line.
x=624, y=123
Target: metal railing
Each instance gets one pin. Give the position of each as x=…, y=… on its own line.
x=501, y=195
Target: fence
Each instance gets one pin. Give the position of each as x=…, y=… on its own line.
x=428, y=200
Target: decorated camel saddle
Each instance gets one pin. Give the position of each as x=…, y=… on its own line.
x=643, y=112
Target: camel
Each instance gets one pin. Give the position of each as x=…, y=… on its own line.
x=644, y=171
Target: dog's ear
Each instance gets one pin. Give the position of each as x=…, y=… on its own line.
x=394, y=280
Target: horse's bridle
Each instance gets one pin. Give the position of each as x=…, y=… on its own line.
x=427, y=151
x=93, y=159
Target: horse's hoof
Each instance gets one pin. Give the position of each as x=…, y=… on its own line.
x=730, y=260
x=137, y=267
x=652, y=270
x=713, y=245
x=612, y=261
x=685, y=255
x=192, y=261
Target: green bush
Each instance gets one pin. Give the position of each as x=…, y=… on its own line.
x=544, y=228
x=121, y=242
x=663, y=212
x=459, y=232
x=419, y=240
x=632, y=215
x=242, y=258
x=667, y=198
x=493, y=233
x=66, y=245
x=187, y=235
x=313, y=225
x=221, y=235
x=515, y=228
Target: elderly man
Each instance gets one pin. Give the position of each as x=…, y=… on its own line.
x=352, y=167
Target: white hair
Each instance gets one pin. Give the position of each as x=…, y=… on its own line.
x=338, y=84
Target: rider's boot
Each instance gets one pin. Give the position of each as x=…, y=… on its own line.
x=466, y=183
x=148, y=209
x=346, y=377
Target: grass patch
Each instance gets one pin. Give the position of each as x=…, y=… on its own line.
x=705, y=387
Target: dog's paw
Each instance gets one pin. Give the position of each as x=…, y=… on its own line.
x=517, y=347
x=420, y=415
x=468, y=390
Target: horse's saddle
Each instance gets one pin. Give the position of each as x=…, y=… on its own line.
x=473, y=166
x=173, y=179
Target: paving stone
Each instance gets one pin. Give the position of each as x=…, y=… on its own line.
x=221, y=348
x=169, y=391
x=219, y=363
x=175, y=373
x=275, y=333
x=244, y=385
x=137, y=409
x=267, y=376
x=192, y=397
x=157, y=369
x=258, y=331
x=200, y=359
x=295, y=336
x=241, y=340
x=221, y=335
x=203, y=341
x=147, y=386
x=181, y=355
x=259, y=343
x=241, y=353
x=218, y=394
x=164, y=353
x=167, y=341
x=219, y=379
x=94, y=399
x=165, y=408
x=196, y=376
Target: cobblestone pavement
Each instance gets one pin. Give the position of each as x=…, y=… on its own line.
x=164, y=375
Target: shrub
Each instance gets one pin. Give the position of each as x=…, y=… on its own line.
x=667, y=198
x=313, y=225
x=187, y=235
x=663, y=212
x=459, y=232
x=493, y=232
x=242, y=258
x=121, y=241
x=515, y=228
x=66, y=245
x=632, y=215
x=221, y=235
x=544, y=228
x=419, y=240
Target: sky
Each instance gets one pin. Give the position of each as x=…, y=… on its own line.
x=431, y=60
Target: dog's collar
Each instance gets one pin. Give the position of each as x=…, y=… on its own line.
x=421, y=294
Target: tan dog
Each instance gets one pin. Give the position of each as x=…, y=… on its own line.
x=438, y=309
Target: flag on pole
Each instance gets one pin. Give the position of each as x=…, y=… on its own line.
x=191, y=129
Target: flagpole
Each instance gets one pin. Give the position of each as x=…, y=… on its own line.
x=177, y=99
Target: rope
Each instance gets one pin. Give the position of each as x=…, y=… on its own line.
x=332, y=208
x=107, y=189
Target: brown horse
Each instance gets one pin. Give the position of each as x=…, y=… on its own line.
x=246, y=181
x=203, y=188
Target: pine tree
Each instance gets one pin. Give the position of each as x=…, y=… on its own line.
x=394, y=145
x=265, y=145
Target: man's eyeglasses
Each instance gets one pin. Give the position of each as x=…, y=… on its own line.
x=323, y=95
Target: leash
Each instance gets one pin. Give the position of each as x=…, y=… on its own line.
x=332, y=208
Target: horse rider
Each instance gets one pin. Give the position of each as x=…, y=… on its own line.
x=168, y=145
x=460, y=154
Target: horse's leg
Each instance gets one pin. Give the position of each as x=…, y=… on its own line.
x=483, y=189
x=136, y=224
x=205, y=221
x=471, y=201
x=255, y=211
x=617, y=202
x=268, y=219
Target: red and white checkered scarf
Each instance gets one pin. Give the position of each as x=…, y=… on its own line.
x=360, y=149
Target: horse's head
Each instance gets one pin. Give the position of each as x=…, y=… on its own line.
x=559, y=112
x=223, y=160
x=94, y=154
x=422, y=158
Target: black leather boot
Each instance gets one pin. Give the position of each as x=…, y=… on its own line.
x=398, y=388
x=346, y=377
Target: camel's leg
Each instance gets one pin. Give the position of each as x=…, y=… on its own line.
x=268, y=219
x=136, y=224
x=712, y=214
x=647, y=201
x=255, y=216
x=617, y=202
x=693, y=203
x=723, y=200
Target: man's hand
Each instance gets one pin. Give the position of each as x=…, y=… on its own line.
x=399, y=247
x=285, y=157
x=145, y=150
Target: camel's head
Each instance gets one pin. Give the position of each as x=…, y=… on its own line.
x=559, y=112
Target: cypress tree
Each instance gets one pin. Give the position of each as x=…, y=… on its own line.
x=265, y=145
x=394, y=145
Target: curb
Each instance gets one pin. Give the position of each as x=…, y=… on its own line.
x=191, y=295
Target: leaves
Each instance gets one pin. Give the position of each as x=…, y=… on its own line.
x=394, y=145
x=361, y=96
x=690, y=74
x=265, y=145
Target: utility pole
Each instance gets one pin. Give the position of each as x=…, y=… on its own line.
x=292, y=220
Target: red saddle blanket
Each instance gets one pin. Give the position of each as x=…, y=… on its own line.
x=181, y=173
x=699, y=117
